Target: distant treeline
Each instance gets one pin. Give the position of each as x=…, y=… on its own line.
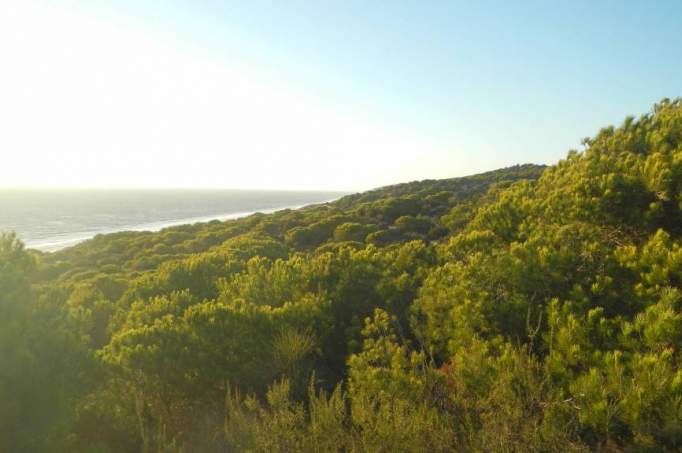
x=524, y=309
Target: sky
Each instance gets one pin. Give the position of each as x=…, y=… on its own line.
x=317, y=95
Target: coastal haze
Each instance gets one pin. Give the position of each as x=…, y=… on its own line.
x=52, y=219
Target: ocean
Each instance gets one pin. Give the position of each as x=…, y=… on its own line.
x=52, y=219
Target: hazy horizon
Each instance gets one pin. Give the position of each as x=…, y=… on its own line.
x=302, y=96
x=234, y=189
x=162, y=189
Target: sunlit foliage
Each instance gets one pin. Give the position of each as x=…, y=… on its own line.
x=526, y=309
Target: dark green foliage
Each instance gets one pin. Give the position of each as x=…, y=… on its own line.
x=526, y=309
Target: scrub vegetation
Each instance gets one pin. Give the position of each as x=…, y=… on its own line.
x=524, y=309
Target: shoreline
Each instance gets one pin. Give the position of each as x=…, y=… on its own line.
x=55, y=244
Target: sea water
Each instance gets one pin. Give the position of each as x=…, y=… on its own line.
x=51, y=219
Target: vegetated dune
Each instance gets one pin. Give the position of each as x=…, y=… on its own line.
x=524, y=309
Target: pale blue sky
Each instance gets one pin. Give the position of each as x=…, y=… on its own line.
x=318, y=94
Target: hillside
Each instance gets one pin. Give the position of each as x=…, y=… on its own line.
x=526, y=309
x=370, y=217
